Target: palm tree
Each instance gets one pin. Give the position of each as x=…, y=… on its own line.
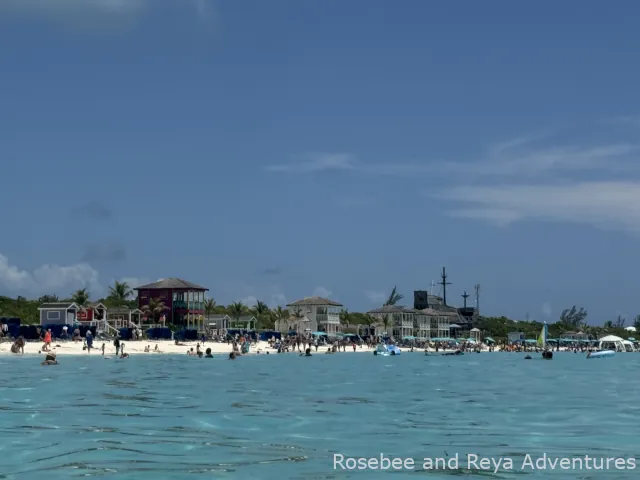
x=298, y=315
x=154, y=309
x=345, y=317
x=81, y=298
x=280, y=314
x=209, y=307
x=259, y=310
x=237, y=310
x=120, y=292
x=386, y=320
x=369, y=320
x=394, y=298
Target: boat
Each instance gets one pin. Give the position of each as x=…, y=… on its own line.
x=443, y=354
x=542, y=342
x=602, y=354
x=386, y=350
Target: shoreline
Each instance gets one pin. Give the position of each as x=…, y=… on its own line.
x=136, y=347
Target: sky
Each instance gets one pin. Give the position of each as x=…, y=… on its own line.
x=282, y=149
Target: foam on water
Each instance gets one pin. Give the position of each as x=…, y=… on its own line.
x=278, y=416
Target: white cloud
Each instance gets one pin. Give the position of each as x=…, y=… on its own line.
x=249, y=301
x=376, y=297
x=317, y=163
x=606, y=204
x=273, y=297
x=321, y=292
x=546, y=309
x=519, y=156
x=48, y=279
x=102, y=8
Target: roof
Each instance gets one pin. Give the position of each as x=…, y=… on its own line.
x=123, y=309
x=172, y=283
x=391, y=309
x=314, y=301
x=58, y=306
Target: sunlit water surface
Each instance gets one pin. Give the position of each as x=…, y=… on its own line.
x=283, y=416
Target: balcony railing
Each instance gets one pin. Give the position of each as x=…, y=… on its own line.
x=180, y=304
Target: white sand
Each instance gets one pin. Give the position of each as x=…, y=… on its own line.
x=137, y=347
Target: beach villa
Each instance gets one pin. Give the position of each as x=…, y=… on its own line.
x=124, y=317
x=314, y=314
x=400, y=320
x=58, y=313
x=184, y=301
x=68, y=313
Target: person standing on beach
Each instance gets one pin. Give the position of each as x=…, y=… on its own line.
x=89, y=338
x=116, y=343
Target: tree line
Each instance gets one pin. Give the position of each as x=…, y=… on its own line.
x=120, y=294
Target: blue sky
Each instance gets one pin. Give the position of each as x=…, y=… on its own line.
x=275, y=150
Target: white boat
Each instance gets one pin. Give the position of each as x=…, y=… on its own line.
x=611, y=342
x=602, y=354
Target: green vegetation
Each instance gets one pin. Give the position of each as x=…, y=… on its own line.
x=571, y=319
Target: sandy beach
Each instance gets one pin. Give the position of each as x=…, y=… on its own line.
x=64, y=348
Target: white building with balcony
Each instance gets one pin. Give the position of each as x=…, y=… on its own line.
x=399, y=321
x=322, y=314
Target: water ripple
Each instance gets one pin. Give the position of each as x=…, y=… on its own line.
x=278, y=417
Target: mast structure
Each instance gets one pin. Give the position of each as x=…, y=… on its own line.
x=465, y=295
x=444, y=284
x=476, y=287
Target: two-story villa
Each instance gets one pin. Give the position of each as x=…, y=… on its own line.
x=400, y=321
x=323, y=314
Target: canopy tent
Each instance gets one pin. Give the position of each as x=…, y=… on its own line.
x=454, y=325
x=489, y=340
x=529, y=340
x=471, y=340
x=322, y=334
x=443, y=339
x=408, y=337
x=631, y=339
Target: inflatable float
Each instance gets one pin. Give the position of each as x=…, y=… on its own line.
x=386, y=350
x=602, y=354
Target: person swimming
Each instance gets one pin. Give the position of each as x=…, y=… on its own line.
x=307, y=353
x=50, y=359
x=528, y=357
x=232, y=356
x=208, y=353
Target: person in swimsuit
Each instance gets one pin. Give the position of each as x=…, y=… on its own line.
x=47, y=341
x=50, y=359
x=18, y=345
x=89, y=338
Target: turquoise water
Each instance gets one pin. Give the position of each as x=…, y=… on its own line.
x=283, y=416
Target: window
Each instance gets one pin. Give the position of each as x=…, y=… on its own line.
x=53, y=315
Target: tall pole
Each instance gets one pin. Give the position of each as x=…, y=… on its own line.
x=477, y=289
x=465, y=295
x=444, y=284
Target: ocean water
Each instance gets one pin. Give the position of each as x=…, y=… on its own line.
x=284, y=416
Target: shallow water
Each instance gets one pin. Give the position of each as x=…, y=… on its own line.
x=282, y=416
